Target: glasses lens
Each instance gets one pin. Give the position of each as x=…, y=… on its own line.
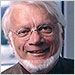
x=26, y=32
x=46, y=29
x=23, y=32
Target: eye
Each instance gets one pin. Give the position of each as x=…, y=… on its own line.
x=23, y=32
x=45, y=29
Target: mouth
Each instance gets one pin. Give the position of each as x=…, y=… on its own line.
x=39, y=51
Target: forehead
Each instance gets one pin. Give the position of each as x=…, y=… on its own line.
x=29, y=14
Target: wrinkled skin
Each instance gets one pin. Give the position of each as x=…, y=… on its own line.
x=25, y=16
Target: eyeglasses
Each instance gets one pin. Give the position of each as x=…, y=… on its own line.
x=43, y=30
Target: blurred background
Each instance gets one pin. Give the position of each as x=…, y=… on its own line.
x=67, y=7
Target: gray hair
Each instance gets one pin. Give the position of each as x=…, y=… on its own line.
x=51, y=7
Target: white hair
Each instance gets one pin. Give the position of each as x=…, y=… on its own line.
x=54, y=11
x=51, y=7
x=46, y=65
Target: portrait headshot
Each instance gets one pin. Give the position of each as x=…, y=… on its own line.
x=40, y=36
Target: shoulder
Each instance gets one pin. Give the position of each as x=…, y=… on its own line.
x=66, y=61
x=63, y=66
x=16, y=69
x=67, y=65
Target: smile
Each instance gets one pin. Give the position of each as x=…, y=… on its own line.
x=39, y=51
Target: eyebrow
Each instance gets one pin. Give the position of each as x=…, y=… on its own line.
x=24, y=26
x=45, y=24
x=27, y=26
x=42, y=24
x=50, y=24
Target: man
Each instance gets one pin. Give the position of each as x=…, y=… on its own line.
x=35, y=31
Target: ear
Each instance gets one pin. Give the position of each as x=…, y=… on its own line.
x=9, y=41
x=63, y=35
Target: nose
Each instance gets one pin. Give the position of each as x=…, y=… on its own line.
x=35, y=39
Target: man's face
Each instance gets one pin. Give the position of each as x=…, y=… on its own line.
x=42, y=42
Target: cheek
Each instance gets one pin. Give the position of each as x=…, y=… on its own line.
x=19, y=42
x=54, y=41
x=54, y=38
x=19, y=46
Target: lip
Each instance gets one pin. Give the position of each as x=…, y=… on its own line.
x=40, y=53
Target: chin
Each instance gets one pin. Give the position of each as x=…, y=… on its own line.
x=39, y=68
x=43, y=67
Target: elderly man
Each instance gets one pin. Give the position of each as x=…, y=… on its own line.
x=35, y=31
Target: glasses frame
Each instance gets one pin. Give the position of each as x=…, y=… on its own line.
x=32, y=30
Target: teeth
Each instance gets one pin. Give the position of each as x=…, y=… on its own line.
x=34, y=51
x=38, y=51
